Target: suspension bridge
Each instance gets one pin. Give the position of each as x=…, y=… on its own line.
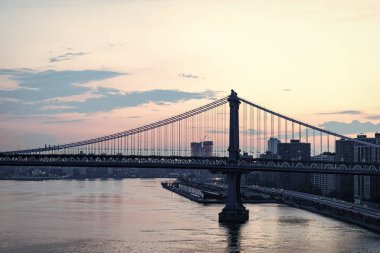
x=234, y=135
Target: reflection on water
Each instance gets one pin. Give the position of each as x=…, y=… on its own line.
x=134, y=215
x=233, y=237
x=293, y=220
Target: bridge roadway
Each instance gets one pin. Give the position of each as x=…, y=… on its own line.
x=214, y=164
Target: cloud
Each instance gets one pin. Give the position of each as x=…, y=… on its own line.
x=62, y=121
x=52, y=91
x=349, y=112
x=48, y=84
x=55, y=107
x=375, y=117
x=66, y=56
x=7, y=100
x=188, y=76
x=351, y=128
x=113, y=99
x=132, y=117
x=287, y=90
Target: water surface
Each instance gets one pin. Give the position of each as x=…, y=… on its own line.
x=137, y=215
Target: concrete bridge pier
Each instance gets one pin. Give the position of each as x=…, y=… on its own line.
x=234, y=211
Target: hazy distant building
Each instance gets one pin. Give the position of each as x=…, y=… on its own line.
x=202, y=149
x=272, y=145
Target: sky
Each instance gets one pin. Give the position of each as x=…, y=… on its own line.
x=72, y=70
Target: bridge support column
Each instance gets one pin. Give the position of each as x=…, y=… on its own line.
x=234, y=211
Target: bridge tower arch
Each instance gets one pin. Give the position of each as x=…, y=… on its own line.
x=234, y=211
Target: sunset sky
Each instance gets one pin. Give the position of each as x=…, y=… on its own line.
x=72, y=70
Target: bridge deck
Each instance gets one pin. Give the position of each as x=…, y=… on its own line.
x=214, y=164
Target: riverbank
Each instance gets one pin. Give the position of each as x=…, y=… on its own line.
x=365, y=217
x=212, y=194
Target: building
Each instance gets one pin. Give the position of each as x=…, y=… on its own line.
x=344, y=184
x=272, y=145
x=367, y=188
x=196, y=149
x=268, y=178
x=202, y=149
x=324, y=183
x=364, y=189
x=294, y=151
x=207, y=148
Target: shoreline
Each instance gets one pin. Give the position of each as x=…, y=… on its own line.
x=325, y=210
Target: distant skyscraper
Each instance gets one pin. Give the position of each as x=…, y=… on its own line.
x=272, y=145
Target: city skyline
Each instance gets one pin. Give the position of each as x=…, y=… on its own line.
x=73, y=71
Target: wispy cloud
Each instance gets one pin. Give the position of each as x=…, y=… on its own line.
x=349, y=112
x=351, y=128
x=66, y=56
x=7, y=100
x=62, y=121
x=132, y=117
x=188, y=75
x=287, y=90
x=55, y=107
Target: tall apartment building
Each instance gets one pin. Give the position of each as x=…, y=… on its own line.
x=294, y=151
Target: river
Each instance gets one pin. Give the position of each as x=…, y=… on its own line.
x=137, y=215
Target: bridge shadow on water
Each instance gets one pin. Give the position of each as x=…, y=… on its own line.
x=233, y=236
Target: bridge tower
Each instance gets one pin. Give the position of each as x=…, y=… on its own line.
x=234, y=211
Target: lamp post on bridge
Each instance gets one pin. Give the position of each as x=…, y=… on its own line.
x=234, y=211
